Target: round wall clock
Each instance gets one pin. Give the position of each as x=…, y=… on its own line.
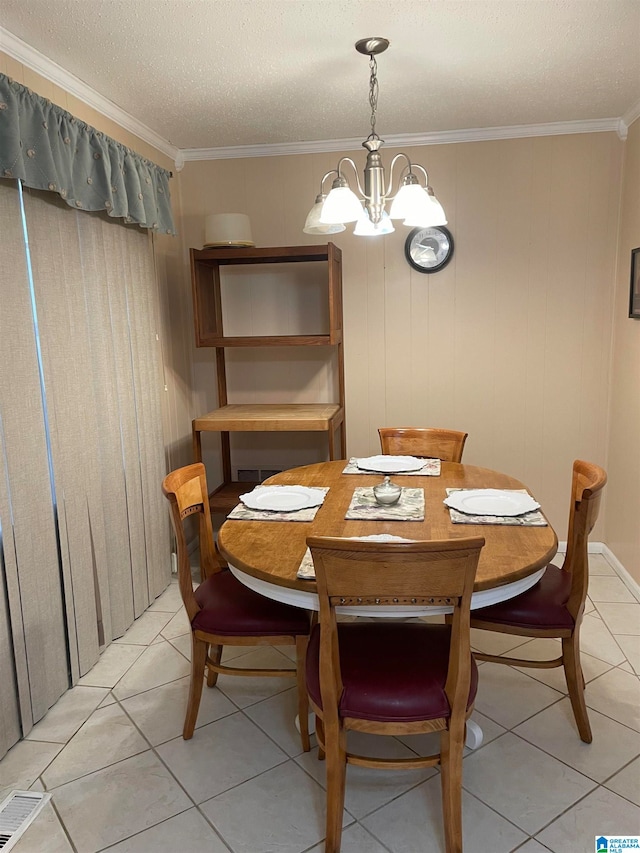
x=429, y=249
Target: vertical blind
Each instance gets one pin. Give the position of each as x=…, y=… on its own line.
x=84, y=534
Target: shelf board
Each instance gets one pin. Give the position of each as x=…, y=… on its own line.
x=271, y=341
x=269, y=417
x=273, y=255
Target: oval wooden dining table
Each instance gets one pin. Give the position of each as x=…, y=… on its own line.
x=266, y=555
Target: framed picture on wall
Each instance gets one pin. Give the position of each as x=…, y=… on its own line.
x=634, y=297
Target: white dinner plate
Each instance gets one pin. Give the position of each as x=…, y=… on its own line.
x=283, y=498
x=491, y=502
x=390, y=464
x=380, y=537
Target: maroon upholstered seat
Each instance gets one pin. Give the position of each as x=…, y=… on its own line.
x=554, y=607
x=391, y=672
x=542, y=606
x=224, y=612
x=229, y=607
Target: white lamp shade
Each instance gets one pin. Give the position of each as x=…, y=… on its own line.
x=411, y=202
x=426, y=212
x=314, y=226
x=439, y=211
x=341, y=205
x=227, y=229
x=366, y=228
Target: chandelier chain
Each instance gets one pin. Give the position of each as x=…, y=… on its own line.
x=373, y=95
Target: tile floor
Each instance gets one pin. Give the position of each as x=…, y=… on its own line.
x=122, y=778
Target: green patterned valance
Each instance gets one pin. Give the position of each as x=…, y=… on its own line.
x=48, y=149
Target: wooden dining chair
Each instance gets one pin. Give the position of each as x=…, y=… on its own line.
x=555, y=605
x=221, y=610
x=444, y=444
x=387, y=677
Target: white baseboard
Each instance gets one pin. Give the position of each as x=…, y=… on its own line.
x=592, y=547
x=600, y=548
x=630, y=582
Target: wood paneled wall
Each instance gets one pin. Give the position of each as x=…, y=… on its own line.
x=521, y=340
x=511, y=342
x=623, y=503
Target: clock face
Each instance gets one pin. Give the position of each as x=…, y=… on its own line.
x=429, y=249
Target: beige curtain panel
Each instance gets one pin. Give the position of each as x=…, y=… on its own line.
x=85, y=535
x=32, y=639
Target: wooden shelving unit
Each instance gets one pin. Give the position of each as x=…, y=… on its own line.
x=271, y=417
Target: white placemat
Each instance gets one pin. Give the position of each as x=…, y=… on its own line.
x=529, y=519
x=243, y=513
x=431, y=469
x=364, y=507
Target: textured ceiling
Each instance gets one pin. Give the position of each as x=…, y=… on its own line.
x=212, y=73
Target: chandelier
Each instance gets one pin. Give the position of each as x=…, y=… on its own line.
x=412, y=202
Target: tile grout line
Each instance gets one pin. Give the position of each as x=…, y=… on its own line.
x=597, y=785
x=153, y=750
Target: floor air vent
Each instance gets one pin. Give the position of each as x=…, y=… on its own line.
x=17, y=812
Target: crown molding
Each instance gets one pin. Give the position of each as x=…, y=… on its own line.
x=33, y=59
x=629, y=117
x=443, y=137
x=36, y=61
x=625, y=121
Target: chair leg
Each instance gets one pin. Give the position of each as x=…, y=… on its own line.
x=336, y=773
x=303, y=699
x=198, y=660
x=451, y=752
x=575, y=684
x=320, y=738
x=215, y=653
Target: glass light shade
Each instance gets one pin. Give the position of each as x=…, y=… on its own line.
x=314, y=226
x=342, y=205
x=439, y=210
x=366, y=228
x=427, y=213
x=408, y=198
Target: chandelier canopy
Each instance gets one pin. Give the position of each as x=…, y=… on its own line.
x=412, y=202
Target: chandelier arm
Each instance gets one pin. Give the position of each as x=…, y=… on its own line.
x=324, y=178
x=408, y=165
x=424, y=172
x=355, y=172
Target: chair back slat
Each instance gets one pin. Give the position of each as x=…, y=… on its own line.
x=587, y=485
x=370, y=569
x=444, y=444
x=186, y=490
